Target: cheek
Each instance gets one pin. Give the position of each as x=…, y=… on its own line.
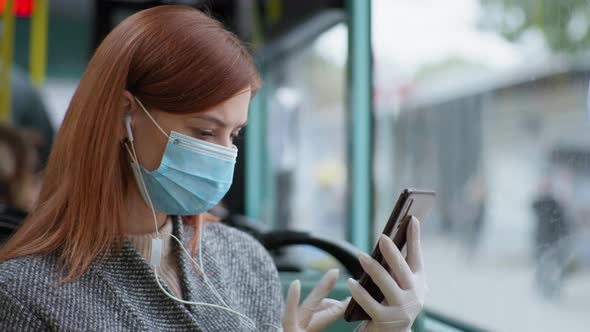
x=151, y=158
x=149, y=147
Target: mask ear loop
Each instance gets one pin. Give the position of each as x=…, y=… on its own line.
x=151, y=117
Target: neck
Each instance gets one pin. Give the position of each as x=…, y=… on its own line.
x=140, y=219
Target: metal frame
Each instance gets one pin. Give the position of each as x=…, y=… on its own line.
x=256, y=161
x=359, y=118
x=359, y=87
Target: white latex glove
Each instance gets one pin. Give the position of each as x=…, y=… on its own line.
x=404, y=288
x=316, y=312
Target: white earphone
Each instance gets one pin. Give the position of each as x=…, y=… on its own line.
x=128, y=126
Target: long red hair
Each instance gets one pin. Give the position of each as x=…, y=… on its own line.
x=173, y=58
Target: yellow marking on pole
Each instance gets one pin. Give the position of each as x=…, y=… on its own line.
x=38, y=40
x=8, y=27
x=275, y=11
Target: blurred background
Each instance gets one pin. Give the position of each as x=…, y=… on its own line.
x=484, y=101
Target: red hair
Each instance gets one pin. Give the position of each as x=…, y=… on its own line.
x=173, y=58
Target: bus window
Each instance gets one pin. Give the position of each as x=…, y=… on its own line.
x=485, y=102
x=306, y=136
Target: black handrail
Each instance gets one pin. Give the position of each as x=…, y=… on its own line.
x=345, y=253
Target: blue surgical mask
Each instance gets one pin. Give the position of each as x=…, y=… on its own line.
x=193, y=176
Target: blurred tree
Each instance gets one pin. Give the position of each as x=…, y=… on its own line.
x=564, y=23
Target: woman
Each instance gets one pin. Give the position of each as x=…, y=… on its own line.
x=147, y=138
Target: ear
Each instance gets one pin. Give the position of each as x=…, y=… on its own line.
x=128, y=101
x=129, y=108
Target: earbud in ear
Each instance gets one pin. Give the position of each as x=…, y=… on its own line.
x=128, y=126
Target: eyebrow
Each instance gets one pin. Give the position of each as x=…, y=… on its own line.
x=216, y=120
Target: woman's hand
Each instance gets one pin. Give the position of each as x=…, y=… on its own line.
x=316, y=312
x=404, y=288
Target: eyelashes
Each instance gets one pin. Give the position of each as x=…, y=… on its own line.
x=205, y=133
x=210, y=134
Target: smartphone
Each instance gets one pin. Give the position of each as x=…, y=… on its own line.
x=411, y=203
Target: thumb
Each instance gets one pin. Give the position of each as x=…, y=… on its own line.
x=291, y=306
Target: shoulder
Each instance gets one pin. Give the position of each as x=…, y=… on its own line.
x=249, y=266
x=235, y=251
x=221, y=231
x=22, y=282
x=228, y=239
x=29, y=276
x=31, y=269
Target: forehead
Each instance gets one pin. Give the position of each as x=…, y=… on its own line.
x=235, y=107
x=230, y=112
x=233, y=111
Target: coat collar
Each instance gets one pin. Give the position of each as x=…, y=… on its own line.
x=193, y=281
x=132, y=280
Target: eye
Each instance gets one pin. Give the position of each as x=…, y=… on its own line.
x=204, y=133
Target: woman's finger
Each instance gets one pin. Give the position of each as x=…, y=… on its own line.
x=415, y=260
x=381, y=277
x=396, y=262
x=291, y=305
x=363, y=298
x=326, y=303
x=318, y=293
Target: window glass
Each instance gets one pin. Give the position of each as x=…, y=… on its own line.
x=485, y=102
x=306, y=136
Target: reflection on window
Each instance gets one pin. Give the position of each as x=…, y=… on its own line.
x=306, y=136
x=485, y=102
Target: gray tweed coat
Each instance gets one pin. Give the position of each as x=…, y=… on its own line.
x=121, y=293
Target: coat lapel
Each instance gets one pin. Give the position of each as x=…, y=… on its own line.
x=133, y=282
x=195, y=288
